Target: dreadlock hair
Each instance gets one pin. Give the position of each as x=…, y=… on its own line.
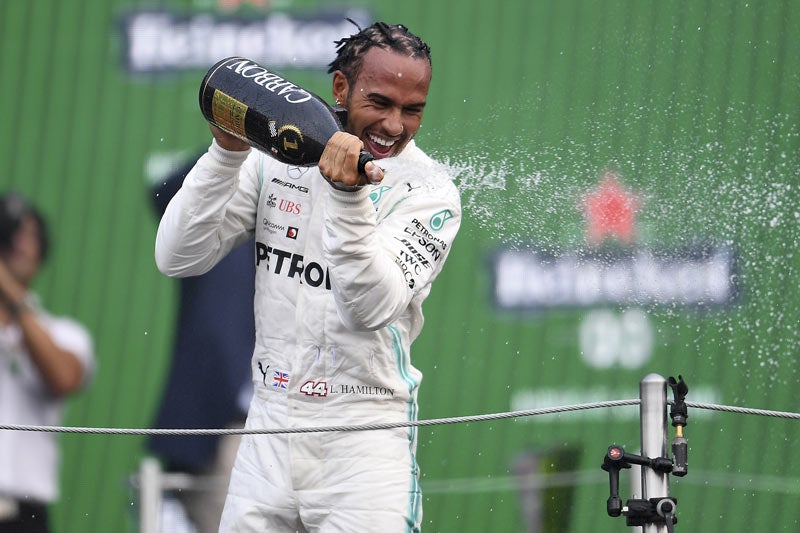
x=350, y=51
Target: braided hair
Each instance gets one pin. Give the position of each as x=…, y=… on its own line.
x=350, y=51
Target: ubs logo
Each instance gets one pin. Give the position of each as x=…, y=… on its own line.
x=289, y=206
x=284, y=205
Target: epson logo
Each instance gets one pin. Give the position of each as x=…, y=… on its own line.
x=430, y=246
x=427, y=234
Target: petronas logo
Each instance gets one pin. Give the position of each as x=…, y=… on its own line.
x=376, y=195
x=438, y=219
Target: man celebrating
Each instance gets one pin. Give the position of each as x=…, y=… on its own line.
x=340, y=281
x=43, y=358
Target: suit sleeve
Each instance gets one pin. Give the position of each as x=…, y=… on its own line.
x=213, y=212
x=378, y=265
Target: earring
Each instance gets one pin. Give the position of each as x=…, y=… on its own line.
x=338, y=102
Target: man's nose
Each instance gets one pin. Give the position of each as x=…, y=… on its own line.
x=394, y=123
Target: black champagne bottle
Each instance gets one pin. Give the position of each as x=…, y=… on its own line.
x=269, y=112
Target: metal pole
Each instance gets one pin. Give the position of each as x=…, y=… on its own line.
x=636, y=488
x=149, y=495
x=653, y=412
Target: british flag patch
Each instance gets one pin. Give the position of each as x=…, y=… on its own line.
x=280, y=380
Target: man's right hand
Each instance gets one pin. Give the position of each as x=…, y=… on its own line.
x=339, y=162
x=227, y=141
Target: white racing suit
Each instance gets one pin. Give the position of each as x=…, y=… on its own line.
x=340, y=281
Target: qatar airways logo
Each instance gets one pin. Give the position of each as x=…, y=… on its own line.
x=269, y=81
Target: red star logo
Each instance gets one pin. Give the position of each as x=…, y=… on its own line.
x=610, y=211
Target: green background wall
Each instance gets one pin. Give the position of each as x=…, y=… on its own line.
x=693, y=104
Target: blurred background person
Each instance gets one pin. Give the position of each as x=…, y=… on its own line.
x=43, y=359
x=209, y=381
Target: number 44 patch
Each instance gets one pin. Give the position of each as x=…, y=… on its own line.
x=314, y=388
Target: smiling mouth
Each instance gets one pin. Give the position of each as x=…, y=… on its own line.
x=379, y=146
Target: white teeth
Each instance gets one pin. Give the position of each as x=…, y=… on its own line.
x=378, y=140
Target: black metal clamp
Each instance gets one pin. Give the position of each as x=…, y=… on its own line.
x=639, y=512
x=679, y=414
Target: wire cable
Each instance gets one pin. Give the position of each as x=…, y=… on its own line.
x=320, y=429
x=389, y=425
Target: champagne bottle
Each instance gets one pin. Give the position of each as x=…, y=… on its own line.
x=269, y=112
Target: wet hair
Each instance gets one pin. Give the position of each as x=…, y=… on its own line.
x=350, y=51
x=13, y=208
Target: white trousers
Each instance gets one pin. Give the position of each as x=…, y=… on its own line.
x=351, y=481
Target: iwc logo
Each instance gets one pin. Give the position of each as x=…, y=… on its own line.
x=290, y=142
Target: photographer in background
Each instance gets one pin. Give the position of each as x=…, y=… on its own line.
x=43, y=359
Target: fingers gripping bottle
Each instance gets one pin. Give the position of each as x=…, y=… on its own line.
x=269, y=112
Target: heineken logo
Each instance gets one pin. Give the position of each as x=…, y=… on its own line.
x=160, y=41
x=610, y=211
x=613, y=268
x=533, y=280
